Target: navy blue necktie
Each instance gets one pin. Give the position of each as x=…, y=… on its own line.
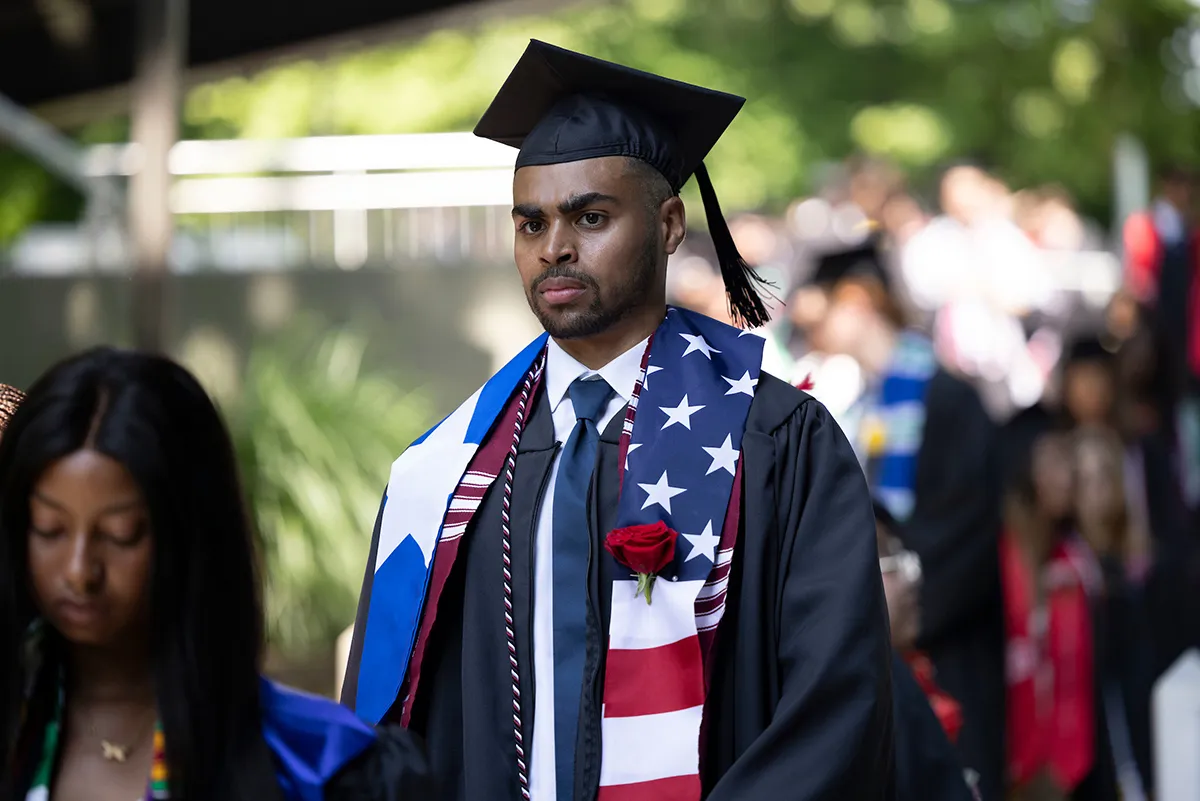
x=572, y=547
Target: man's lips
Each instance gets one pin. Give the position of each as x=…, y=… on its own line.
x=561, y=291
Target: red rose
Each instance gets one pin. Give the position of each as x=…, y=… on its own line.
x=643, y=549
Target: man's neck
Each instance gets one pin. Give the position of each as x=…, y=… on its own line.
x=596, y=351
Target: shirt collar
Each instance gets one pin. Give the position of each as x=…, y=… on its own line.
x=562, y=369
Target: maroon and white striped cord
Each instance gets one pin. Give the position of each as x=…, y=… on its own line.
x=506, y=541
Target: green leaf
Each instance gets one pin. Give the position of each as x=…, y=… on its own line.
x=315, y=434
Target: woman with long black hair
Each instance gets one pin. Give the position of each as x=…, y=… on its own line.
x=130, y=619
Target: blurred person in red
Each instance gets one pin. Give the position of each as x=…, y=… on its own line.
x=1112, y=397
x=925, y=443
x=1058, y=744
x=1162, y=272
x=1161, y=254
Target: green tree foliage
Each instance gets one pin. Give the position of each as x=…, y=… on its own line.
x=1038, y=89
x=315, y=433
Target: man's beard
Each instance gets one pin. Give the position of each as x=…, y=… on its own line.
x=603, y=312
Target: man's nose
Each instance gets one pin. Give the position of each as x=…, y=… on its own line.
x=560, y=245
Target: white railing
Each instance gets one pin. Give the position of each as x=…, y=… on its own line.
x=339, y=200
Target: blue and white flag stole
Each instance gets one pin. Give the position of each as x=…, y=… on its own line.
x=419, y=489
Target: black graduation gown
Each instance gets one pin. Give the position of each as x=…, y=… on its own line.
x=1172, y=607
x=927, y=766
x=394, y=769
x=800, y=705
x=955, y=528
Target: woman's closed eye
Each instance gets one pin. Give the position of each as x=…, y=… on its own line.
x=47, y=533
x=125, y=537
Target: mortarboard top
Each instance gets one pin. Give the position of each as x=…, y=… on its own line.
x=862, y=261
x=558, y=106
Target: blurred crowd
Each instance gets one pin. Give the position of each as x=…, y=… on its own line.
x=1026, y=407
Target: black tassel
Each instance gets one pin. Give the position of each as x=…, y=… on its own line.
x=742, y=283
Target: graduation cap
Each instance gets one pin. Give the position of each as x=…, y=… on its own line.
x=861, y=261
x=558, y=106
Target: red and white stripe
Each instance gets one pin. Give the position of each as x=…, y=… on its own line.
x=653, y=695
x=655, y=674
x=467, y=498
x=710, y=603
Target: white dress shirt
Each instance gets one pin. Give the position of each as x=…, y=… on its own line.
x=561, y=371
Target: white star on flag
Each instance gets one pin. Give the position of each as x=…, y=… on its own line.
x=650, y=370
x=660, y=493
x=703, y=544
x=681, y=414
x=744, y=385
x=697, y=344
x=724, y=457
x=633, y=446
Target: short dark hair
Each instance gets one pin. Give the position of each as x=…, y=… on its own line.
x=150, y=415
x=1176, y=174
x=1018, y=440
x=654, y=184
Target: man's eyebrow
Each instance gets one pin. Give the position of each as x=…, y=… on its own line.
x=531, y=210
x=577, y=203
x=572, y=205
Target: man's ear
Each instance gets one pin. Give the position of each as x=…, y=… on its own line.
x=673, y=219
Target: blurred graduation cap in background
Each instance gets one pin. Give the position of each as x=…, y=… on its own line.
x=559, y=106
x=863, y=261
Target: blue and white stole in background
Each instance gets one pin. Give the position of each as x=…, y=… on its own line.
x=700, y=379
x=899, y=424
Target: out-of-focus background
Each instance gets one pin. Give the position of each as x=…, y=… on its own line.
x=285, y=196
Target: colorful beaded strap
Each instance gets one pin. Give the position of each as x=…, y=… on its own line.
x=156, y=788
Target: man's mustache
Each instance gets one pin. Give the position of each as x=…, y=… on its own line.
x=563, y=271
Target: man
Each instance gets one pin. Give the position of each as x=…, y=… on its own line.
x=655, y=576
x=1162, y=272
x=925, y=443
x=1161, y=258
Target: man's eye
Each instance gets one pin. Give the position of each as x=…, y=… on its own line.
x=592, y=218
x=532, y=226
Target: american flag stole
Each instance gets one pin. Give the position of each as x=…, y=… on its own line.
x=698, y=379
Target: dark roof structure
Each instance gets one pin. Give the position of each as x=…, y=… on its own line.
x=55, y=49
